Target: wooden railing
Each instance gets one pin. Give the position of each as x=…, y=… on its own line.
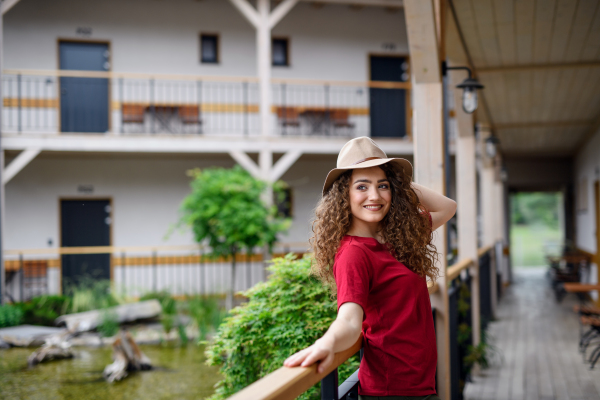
x=288, y=383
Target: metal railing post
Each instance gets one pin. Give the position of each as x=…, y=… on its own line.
x=329, y=386
x=152, y=107
x=245, y=93
x=123, y=261
x=19, y=127
x=21, y=278
x=155, y=271
x=122, y=99
x=200, y=120
x=283, y=101
x=327, y=113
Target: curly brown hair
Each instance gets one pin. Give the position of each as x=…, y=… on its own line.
x=405, y=229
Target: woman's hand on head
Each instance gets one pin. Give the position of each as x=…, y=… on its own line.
x=320, y=351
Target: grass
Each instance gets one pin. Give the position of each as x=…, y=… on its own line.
x=530, y=244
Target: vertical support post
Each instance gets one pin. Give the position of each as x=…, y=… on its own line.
x=284, y=108
x=263, y=42
x=488, y=209
x=428, y=136
x=327, y=114
x=2, y=281
x=466, y=199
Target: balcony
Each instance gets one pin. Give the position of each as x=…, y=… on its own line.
x=123, y=104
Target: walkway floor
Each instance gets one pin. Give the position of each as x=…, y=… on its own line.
x=536, y=341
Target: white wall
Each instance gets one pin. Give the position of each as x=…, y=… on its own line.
x=332, y=42
x=146, y=192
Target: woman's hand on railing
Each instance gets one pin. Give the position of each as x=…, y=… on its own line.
x=341, y=335
x=320, y=351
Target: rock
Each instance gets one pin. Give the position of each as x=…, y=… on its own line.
x=89, y=320
x=28, y=335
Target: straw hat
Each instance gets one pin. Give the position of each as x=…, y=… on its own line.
x=362, y=152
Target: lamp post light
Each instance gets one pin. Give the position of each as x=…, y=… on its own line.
x=469, y=86
x=491, y=146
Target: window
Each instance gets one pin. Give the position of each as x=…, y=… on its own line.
x=283, y=201
x=280, y=51
x=209, y=48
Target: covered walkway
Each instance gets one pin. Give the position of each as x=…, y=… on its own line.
x=536, y=353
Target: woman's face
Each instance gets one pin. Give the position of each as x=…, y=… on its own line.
x=370, y=194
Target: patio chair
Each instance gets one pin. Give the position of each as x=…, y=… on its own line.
x=594, y=323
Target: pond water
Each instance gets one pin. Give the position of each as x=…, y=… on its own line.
x=180, y=374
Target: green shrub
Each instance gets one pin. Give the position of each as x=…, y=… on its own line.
x=205, y=311
x=109, y=325
x=43, y=310
x=92, y=295
x=283, y=315
x=10, y=316
x=168, y=304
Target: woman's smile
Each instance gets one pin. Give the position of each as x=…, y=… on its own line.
x=373, y=207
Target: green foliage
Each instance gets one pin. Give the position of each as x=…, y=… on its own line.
x=225, y=209
x=283, y=315
x=205, y=312
x=92, y=295
x=464, y=333
x=538, y=208
x=10, y=316
x=109, y=326
x=43, y=310
x=168, y=316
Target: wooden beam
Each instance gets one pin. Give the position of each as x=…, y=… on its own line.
x=283, y=164
x=540, y=124
x=371, y=3
x=24, y=158
x=247, y=163
x=538, y=67
x=428, y=136
x=281, y=11
x=7, y=5
x=247, y=11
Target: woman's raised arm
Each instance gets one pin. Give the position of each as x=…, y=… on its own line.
x=439, y=206
x=342, y=334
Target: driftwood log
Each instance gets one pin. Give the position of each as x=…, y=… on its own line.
x=56, y=347
x=127, y=357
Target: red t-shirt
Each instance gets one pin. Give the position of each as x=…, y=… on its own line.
x=400, y=354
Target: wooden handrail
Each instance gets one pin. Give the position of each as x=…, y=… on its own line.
x=289, y=383
x=482, y=250
x=454, y=271
x=207, y=78
x=123, y=249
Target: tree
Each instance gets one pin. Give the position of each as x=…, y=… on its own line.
x=225, y=210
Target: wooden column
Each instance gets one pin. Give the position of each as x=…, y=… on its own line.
x=466, y=199
x=428, y=136
x=488, y=208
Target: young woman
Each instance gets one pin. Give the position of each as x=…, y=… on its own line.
x=372, y=243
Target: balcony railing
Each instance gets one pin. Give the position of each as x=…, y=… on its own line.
x=288, y=383
x=50, y=102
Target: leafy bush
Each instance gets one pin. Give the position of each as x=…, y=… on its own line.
x=109, y=325
x=283, y=315
x=205, y=311
x=43, y=310
x=168, y=304
x=92, y=295
x=10, y=316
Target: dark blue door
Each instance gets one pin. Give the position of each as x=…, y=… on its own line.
x=84, y=223
x=388, y=106
x=84, y=101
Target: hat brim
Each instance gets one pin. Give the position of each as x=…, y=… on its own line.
x=399, y=163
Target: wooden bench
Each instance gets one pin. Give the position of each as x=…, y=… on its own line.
x=189, y=114
x=288, y=116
